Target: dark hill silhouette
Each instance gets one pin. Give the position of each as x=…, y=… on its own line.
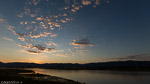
x=114, y=65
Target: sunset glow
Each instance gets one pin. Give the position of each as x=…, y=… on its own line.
x=74, y=31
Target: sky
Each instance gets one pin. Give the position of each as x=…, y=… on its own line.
x=74, y=31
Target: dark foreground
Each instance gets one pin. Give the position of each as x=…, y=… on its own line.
x=20, y=76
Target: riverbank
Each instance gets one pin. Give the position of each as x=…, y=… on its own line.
x=21, y=76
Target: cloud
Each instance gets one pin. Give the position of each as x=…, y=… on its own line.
x=40, y=20
x=35, y=2
x=42, y=48
x=26, y=46
x=97, y=2
x=20, y=15
x=30, y=51
x=45, y=34
x=140, y=57
x=86, y=2
x=8, y=39
x=50, y=49
x=83, y=42
x=38, y=48
x=55, y=51
x=51, y=44
x=2, y=20
x=21, y=36
x=23, y=39
x=62, y=54
x=33, y=52
x=81, y=45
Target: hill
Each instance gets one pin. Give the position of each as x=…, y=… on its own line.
x=119, y=65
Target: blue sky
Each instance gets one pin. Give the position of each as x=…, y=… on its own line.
x=76, y=31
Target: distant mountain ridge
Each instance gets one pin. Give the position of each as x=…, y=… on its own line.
x=138, y=65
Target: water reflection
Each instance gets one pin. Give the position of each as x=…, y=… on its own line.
x=100, y=76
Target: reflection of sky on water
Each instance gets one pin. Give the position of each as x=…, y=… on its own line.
x=100, y=77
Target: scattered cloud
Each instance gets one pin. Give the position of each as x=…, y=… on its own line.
x=39, y=18
x=23, y=39
x=86, y=2
x=2, y=20
x=56, y=51
x=26, y=46
x=97, y=3
x=62, y=54
x=38, y=48
x=51, y=44
x=8, y=39
x=45, y=34
x=39, y=21
x=21, y=36
x=35, y=2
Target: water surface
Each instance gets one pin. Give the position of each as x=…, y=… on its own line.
x=99, y=76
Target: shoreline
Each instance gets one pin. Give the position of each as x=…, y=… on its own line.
x=22, y=76
x=142, y=69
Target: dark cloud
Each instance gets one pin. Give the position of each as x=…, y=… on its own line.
x=42, y=48
x=83, y=42
x=50, y=49
x=39, y=47
x=134, y=57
